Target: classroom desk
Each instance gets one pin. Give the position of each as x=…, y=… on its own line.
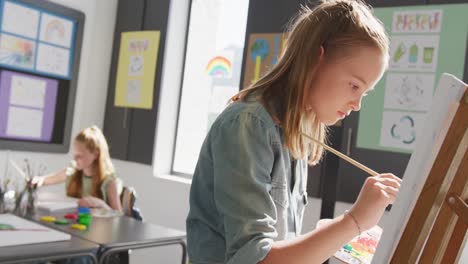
x=75, y=247
x=123, y=233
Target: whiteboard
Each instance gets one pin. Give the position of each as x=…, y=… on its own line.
x=445, y=102
x=20, y=237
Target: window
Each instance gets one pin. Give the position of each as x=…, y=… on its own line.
x=212, y=67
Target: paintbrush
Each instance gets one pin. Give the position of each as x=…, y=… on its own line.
x=343, y=156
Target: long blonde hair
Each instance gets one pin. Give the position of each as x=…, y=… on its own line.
x=337, y=26
x=95, y=142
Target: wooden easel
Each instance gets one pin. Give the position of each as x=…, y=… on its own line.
x=438, y=223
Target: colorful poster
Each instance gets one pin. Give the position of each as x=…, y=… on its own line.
x=425, y=42
x=136, y=69
x=56, y=30
x=263, y=52
x=17, y=52
x=53, y=60
x=27, y=106
x=20, y=20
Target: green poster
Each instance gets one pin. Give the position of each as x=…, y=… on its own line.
x=425, y=41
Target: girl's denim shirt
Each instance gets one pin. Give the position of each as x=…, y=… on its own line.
x=247, y=190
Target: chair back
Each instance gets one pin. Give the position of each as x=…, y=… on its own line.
x=127, y=198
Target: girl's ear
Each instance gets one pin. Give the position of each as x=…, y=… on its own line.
x=96, y=154
x=322, y=53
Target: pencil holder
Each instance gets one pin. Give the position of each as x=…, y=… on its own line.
x=31, y=200
x=20, y=208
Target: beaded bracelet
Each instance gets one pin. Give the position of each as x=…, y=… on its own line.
x=355, y=221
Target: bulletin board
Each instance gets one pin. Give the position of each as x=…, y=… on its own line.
x=40, y=46
x=401, y=101
x=35, y=40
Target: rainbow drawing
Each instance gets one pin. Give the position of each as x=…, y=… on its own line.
x=55, y=27
x=55, y=30
x=17, y=51
x=219, y=66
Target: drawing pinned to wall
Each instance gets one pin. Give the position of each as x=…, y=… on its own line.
x=27, y=92
x=220, y=66
x=24, y=122
x=137, y=47
x=54, y=60
x=263, y=51
x=400, y=51
x=136, y=65
x=133, y=91
x=414, y=53
x=56, y=30
x=27, y=106
x=420, y=21
x=26, y=26
x=399, y=129
x=138, y=56
x=17, y=52
x=258, y=53
x=409, y=91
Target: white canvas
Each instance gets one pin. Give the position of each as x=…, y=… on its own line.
x=448, y=94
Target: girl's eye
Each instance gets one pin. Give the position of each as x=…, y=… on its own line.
x=354, y=87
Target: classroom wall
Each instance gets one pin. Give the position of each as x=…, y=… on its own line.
x=162, y=200
x=90, y=103
x=93, y=77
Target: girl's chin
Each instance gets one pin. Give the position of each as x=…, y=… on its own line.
x=329, y=121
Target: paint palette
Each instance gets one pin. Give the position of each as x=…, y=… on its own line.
x=360, y=249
